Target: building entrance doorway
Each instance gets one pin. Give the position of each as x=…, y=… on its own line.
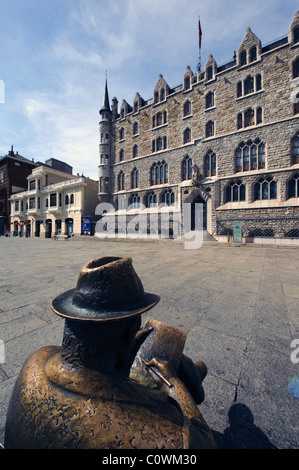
x=15, y=229
x=48, y=232
x=27, y=229
x=2, y=227
x=69, y=224
x=199, y=200
x=37, y=228
x=58, y=227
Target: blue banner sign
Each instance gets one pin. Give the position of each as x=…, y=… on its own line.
x=86, y=225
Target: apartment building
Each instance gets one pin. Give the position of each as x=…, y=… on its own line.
x=54, y=203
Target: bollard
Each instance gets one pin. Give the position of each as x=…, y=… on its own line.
x=90, y=392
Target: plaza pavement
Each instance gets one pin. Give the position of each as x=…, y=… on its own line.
x=239, y=305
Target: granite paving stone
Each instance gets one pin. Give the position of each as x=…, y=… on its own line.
x=238, y=304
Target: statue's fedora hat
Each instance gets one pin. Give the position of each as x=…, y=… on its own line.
x=107, y=289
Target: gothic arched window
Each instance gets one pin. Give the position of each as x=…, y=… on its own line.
x=187, y=83
x=253, y=54
x=187, y=168
x=210, y=164
x=250, y=156
x=296, y=68
x=293, y=186
x=295, y=149
x=243, y=58
x=159, y=144
x=265, y=188
x=135, y=201
x=239, y=89
x=150, y=199
x=259, y=116
x=235, y=192
x=187, y=135
x=135, y=128
x=258, y=82
x=121, y=181
x=249, y=117
x=210, y=129
x=159, y=119
x=159, y=173
x=210, y=100
x=168, y=197
x=135, y=151
x=135, y=178
x=248, y=85
x=187, y=108
x=240, y=121
x=210, y=72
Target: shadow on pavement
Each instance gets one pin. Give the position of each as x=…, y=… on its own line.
x=242, y=432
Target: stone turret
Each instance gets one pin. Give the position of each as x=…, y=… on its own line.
x=105, y=148
x=293, y=33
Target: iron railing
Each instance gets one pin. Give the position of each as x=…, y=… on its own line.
x=266, y=227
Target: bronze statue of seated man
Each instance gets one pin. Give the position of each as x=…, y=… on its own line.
x=103, y=388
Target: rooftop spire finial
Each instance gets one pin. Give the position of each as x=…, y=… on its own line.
x=106, y=104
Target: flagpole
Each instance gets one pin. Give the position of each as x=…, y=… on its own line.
x=199, y=62
x=199, y=44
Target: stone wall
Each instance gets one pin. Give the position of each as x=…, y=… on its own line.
x=264, y=222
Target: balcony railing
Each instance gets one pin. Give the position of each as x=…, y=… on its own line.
x=54, y=209
x=34, y=211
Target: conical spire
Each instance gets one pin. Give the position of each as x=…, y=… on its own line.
x=106, y=105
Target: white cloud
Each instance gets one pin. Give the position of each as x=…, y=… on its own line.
x=63, y=131
x=65, y=51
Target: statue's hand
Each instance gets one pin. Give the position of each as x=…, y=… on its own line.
x=192, y=374
x=171, y=384
x=162, y=371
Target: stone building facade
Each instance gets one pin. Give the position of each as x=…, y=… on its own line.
x=227, y=137
x=14, y=170
x=54, y=203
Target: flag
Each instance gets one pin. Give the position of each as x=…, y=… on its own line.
x=199, y=33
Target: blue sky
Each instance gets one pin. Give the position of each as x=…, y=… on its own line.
x=55, y=53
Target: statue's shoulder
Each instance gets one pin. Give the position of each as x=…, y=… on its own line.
x=33, y=367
